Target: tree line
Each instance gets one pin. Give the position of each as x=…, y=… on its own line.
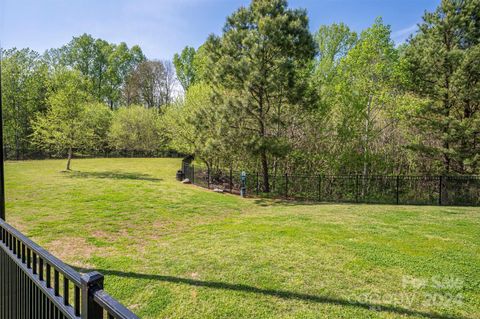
x=269, y=96
x=72, y=99
x=266, y=95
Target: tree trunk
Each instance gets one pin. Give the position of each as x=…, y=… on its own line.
x=445, y=129
x=209, y=173
x=366, y=141
x=69, y=159
x=263, y=155
x=266, y=184
x=446, y=158
x=17, y=146
x=447, y=107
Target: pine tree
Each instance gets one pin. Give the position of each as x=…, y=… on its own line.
x=257, y=65
x=443, y=64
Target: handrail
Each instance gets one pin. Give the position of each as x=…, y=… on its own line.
x=112, y=306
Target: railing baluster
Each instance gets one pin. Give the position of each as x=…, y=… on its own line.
x=23, y=253
x=56, y=282
x=40, y=268
x=76, y=295
x=14, y=245
x=49, y=275
x=34, y=262
x=29, y=260
x=66, y=291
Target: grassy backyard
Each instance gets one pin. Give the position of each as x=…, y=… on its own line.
x=170, y=250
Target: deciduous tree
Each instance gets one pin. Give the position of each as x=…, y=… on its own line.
x=364, y=99
x=194, y=126
x=185, y=67
x=24, y=88
x=136, y=128
x=65, y=127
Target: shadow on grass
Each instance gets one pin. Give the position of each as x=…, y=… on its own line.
x=292, y=202
x=287, y=295
x=270, y=201
x=113, y=175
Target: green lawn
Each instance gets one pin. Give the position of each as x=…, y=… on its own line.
x=170, y=250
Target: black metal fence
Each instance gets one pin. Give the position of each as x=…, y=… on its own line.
x=376, y=189
x=13, y=154
x=36, y=285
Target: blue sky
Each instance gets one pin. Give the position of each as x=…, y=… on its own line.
x=164, y=27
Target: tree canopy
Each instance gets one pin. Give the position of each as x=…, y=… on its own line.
x=65, y=126
x=265, y=95
x=135, y=128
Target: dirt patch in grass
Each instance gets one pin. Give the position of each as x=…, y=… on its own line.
x=73, y=250
x=110, y=236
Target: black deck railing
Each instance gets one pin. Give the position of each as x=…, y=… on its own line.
x=36, y=285
x=376, y=189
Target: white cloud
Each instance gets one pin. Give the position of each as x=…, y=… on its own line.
x=400, y=36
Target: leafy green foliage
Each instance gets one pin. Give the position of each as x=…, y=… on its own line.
x=65, y=126
x=135, y=128
x=184, y=65
x=99, y=119
x=367, y=93
x=333, y=43
x=442, y=63
x=105, y=65
x=195, y=126
x=266, y=95
x=24, y=94
x=361, y=106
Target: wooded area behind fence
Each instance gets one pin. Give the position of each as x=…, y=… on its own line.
x=375, y=189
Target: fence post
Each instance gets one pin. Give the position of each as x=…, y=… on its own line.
x=397, y=190
x=258, y=184
x=231, y=180
x=319, y=188
x=193, y=174
x=440, y=180
x=208, y=177
x=91, y=283
x=356, y=188
x=286, y=185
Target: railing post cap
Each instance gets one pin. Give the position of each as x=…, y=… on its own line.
x=92, y=278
